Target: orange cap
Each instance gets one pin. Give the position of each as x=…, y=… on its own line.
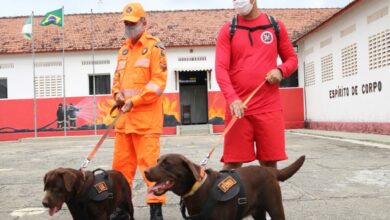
x=133, y=12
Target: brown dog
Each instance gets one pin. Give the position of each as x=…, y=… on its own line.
x=261, y=185
x=86, y=198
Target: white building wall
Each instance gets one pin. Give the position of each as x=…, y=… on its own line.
x=371, y=107
x=20, y=77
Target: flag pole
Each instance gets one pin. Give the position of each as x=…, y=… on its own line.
x=63, y=71
x=93, y=73
x=34, y=86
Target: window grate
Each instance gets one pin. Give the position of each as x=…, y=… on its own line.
x=327, y=68
x=379, y=50
x=378, y=14
x=96, y=62
x=349, y=60
x=309, y=74
x=7, y=66
x=347, y=31
x=48, y=86
x=186, y=59
x=48, y=64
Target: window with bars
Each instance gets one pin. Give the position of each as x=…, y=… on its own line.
x=102, y=84
x=3, y=88
x=349, y=60
x=327, y=68
x=379, y=50
x=309, y=74
x=48, y=86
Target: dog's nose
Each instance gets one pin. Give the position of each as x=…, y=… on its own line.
x=45, y=203
x=147, y=173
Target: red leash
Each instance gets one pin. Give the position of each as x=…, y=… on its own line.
x=227, y=129
x=85, y=164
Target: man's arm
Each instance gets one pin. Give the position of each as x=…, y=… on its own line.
x=222, y=64
x=116, y=86
x=286, y=52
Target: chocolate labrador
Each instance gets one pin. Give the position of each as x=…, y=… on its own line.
x=260, y=185
x=88, y=195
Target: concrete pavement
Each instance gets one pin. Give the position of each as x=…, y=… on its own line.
x=345, y=176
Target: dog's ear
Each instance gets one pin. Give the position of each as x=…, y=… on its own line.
x=44, y=182
x=193, y=168
x=69, y=180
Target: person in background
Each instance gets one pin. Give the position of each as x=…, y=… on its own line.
x=72, y=115
x=246, y=56
x=60, y=116
x=139, y=82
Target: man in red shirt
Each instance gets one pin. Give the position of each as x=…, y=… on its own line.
x=243, y=61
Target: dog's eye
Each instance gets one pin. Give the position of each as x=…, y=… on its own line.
x=165, y=163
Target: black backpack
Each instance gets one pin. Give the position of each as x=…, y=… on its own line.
x=273, y=24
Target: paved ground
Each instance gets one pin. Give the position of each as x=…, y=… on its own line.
x=345, y=176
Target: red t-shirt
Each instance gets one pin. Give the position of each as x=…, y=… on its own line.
x=241, y=67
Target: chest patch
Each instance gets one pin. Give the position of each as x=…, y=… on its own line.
x=267, y=37
x=227, y=184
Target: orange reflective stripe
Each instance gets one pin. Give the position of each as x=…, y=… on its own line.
x=142, y=63
x=154, y=87
x=131, y=92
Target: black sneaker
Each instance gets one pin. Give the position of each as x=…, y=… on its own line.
x=156, y=211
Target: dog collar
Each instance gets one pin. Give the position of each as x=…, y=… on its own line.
x=196, y=186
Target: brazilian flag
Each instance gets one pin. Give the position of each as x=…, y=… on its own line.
x=53, y=17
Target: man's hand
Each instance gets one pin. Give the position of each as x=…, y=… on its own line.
x=127, y=106
x=119, y=100
x=237, y=108
x=274, y=76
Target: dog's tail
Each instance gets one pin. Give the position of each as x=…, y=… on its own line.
x=289, y=171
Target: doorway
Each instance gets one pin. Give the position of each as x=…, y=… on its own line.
x=193, y=97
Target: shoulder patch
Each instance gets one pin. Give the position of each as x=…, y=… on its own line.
x=160, y=45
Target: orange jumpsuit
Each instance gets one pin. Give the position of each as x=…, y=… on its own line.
x=141, y=76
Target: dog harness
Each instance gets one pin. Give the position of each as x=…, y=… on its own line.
x=225, y=188
x=98, y=191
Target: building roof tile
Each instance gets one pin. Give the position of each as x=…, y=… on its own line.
x=175, y=28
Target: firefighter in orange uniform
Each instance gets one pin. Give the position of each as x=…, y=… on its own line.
x=139, y=82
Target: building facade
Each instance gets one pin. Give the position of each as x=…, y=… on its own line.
x=345, y=64
x=80, y=79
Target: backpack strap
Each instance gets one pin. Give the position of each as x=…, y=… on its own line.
x=275, y=25
x=233, y=27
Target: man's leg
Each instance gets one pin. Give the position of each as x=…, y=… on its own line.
x=124, y=161
x=269, y=164
x=238, y=145
x=231, y=166
x=270, y=140
x=148, y=151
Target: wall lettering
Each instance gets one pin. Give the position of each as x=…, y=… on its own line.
x=363, y=89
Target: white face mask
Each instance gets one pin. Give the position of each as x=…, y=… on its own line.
x=243, y=7
x=133, y=31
